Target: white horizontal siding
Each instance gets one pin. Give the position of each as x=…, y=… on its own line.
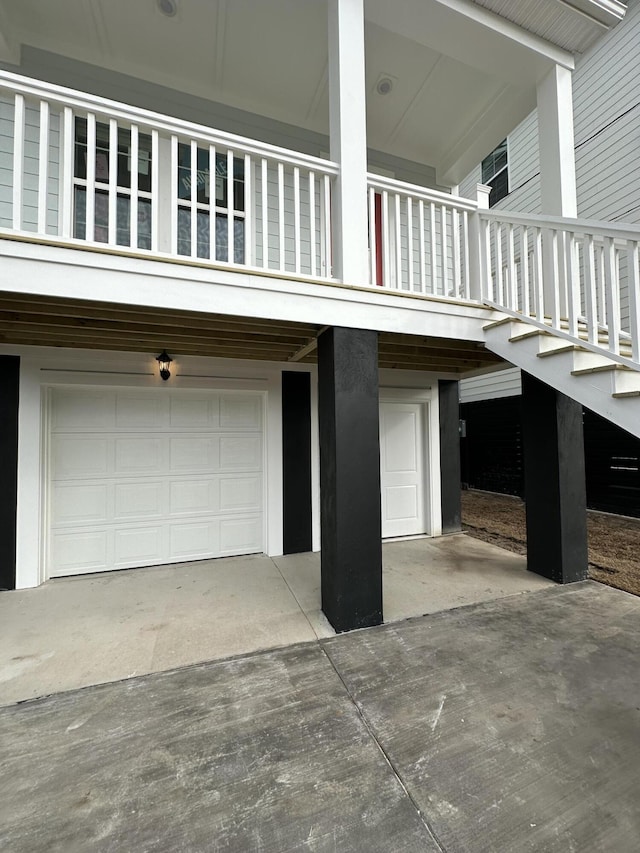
x=502, y=383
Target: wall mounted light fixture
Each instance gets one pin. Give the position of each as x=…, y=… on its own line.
x=164, y=360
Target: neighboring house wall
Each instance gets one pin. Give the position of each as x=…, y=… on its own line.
x=606, y=101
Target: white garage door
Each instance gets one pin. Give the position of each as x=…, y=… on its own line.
x=145, y=477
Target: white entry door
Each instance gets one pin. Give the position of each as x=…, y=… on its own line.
x=402, y=469
x=144, y=477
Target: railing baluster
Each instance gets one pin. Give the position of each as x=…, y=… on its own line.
x=386, y=239
x=312, y=222
x=633, y=284
x=231, y=215
x=410, y=241
x=213, y=194
x=264, y=192
x=538, y=274
x=612, y=282
x=155, y=191
x=135, y=183
x=434, y=255
x=444, y=249
x=66, y=178
x=487, y=283
x=512, y=283
x=465, y=255
x=524, y=270
x=248, y=210
x=573, y=284
x=602, y=302
x=113, y=183
x=194, y=198
x=455, y=236
x=18, y=160
x=296, y=217
x=90, y=232
x=174, y=194
x=423, y=257
x=590, y=287
x=281, y=245
x=373, y=248
x=327, y=227
x=497, y=237
x=398, y=239
x=43, y=168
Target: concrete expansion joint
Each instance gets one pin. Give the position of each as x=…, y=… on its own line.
x=387, y=758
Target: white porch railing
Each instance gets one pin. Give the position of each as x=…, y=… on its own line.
x=577, y=277
x=75, y=167
x=419, y=239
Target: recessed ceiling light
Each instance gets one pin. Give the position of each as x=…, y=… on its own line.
x=167, y=7
x=384, y=85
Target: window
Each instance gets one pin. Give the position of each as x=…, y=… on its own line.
x=212, y=205
x=101, y=186
x=495, y=173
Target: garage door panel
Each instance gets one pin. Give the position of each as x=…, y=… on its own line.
x=80, y=502
x=140, y=411
x=193, y=413
x=140, y=454
x=138, y=500
x=79, y=552
x=138, y=545
x=75, y=456
x=89, y=410
x=189, y=496
x=240, y=452
x=195, y=453
x=193, y=540
x=240, y=412
x=240, y=493
x=238, y=535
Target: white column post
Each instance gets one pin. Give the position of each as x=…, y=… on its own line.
x=478, y=261
x=348, y=140
x=557, y=177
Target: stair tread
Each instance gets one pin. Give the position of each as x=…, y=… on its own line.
x=560, y=349
x=626, y=394
x=603, y=368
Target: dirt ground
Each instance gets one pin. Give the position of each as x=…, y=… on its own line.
x=614, y=541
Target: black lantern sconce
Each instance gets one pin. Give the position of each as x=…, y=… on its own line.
x=164, y=360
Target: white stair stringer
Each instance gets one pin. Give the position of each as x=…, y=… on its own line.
x=592, y=378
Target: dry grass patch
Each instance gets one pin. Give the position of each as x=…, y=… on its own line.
x=614, y=541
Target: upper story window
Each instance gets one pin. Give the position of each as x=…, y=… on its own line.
x=495, y=173
x=212, y=205
x=122, y=165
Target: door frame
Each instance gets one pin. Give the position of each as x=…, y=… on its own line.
x=424, y=397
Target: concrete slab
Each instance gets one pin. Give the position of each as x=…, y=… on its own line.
x=74, y=632
x=515, y=725
x=507, y=726
x=261, y=753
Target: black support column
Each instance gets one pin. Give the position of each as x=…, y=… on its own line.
x=554, y=483
x=9, y=398
x=350, y=478
x=448, y=398
x=296, y=455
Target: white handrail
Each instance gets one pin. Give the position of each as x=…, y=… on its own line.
x=134, y=179
x=578, y=278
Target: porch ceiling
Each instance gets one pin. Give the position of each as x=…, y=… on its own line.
x=33, y=321
x=463, y=73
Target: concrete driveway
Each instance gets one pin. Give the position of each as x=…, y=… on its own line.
x=510, y=726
